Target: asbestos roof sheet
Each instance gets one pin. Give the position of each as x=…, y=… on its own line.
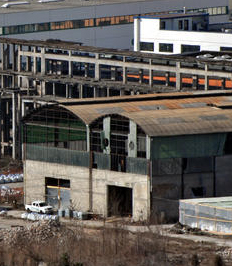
x=165, y=117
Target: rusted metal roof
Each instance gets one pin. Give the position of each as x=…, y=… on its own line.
x=165, y=117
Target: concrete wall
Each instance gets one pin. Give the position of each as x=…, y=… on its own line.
x=35, y=173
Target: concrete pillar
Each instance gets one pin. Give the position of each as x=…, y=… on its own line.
x=43, y=64
x=80, y=91
x=178, y=77
x=97, y=68
x=14, y=124
x=132, y=140
x=2, y=81
x=54, y=89
x=70, y=68
x=54, y=67
x=124, y=74
x=136, y=34
x=113, y=71
x=2, y=55
x=167, y=79
x=106, y=131
x=94, y=92
x=140, y=76
x=151, y=77
x=122, y=92
x=59, y=68
x=206, y=78
x=148, y=147
x=223, y=84
x=67, y=91
x=28, y=61
x=19, y=58
x=195, y=82
x=34, y=61
x=14, y=57
x=50, y=65
x=43, y=88
x=107, y=92
x=86, y=70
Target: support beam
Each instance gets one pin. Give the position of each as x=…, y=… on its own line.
x=206, y=78
x=132, y=140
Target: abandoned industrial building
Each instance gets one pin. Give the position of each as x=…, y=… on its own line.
x=129, y=155
x=35, y=72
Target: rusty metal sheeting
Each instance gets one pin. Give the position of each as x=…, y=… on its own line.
x=165, y=117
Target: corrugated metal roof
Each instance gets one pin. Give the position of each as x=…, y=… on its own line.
x=178, y=118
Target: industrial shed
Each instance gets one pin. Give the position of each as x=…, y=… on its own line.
x=137, y=156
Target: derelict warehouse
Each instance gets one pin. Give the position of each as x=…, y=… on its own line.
x=130, y=155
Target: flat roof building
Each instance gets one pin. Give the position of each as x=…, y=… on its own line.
x=107, y=23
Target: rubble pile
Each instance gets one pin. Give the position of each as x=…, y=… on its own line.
x=37, y=232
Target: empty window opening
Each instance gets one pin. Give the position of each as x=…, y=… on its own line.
x=198, y=191
x=119, y=201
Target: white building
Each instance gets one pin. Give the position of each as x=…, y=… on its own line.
x=178, y=33
x=101, y=23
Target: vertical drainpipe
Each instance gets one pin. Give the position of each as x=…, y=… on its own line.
x=90, y=169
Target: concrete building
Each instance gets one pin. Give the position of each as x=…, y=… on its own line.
x=129, y=155
x=107, y=23
x=35, y=72
x=179, y=33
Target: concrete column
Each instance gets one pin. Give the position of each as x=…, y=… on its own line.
x=86, y=70
x=148, y=147
x=2, y=81
x=167, y=77
x=43, y=65
x=195, y=82
x=223, y=83
x=113, y=71
x=67, y=91
x=34, y=61
x=122, y=92
x=43, y=88
x=132, y=140
x=178, y=77
x=107, y=92
x=59, y=68
x=151, y=77
x=80, y=91
x=28, y=62
x=19, y=58
x=70, y=68
x=140, y=76
x=124, y=74
x=54, y=89
x=14, y=124
x=94, y=92
x=54, y=67
x=7, y=56
x=2, y=55
x=206, y=78
x=136, y=34
x=106, y=131
x=97, y=68
x=14, y=57
x=50, y=66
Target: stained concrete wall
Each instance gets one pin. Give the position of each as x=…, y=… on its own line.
x=35, y=173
